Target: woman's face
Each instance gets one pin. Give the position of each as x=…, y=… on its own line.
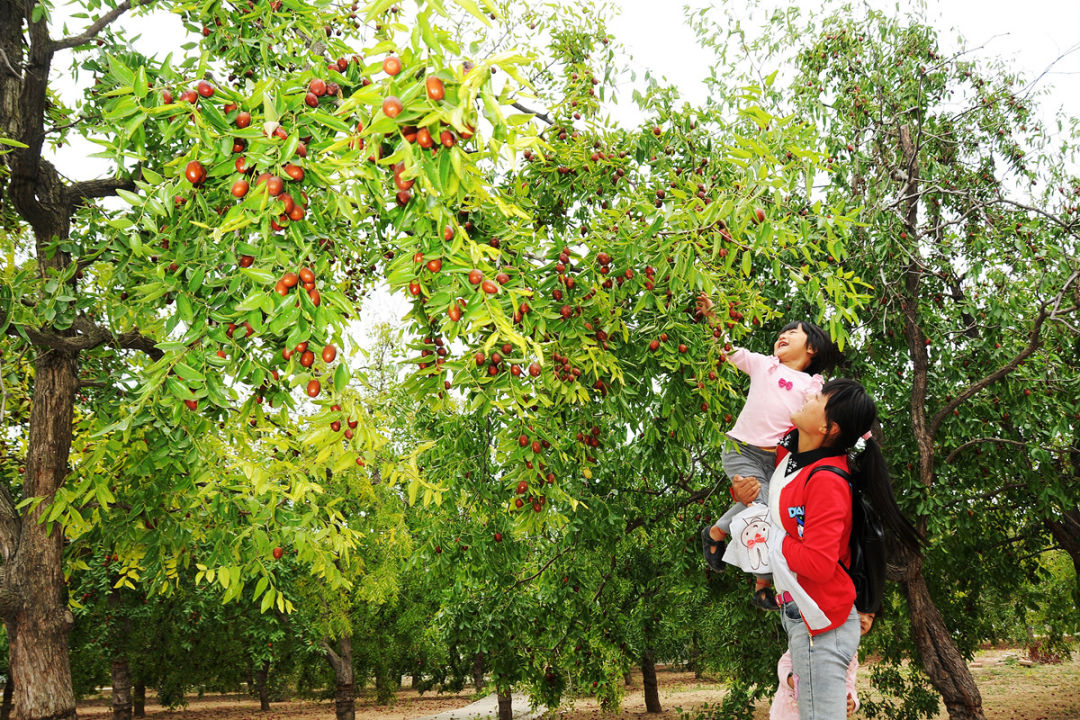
x=810, y=418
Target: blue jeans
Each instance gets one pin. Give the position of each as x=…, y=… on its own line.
x=820, y=665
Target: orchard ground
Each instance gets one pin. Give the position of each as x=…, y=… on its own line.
x=1011, y=691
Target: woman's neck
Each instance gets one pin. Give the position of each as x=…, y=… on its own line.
x=810, y=441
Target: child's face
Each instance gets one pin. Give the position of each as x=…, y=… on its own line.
x=791, y=349
x=866, y=621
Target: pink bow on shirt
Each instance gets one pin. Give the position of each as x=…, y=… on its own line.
x=754, y=541
x=786, y=384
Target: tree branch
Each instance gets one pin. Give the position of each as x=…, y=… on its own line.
x=976, y=441
x=545, y=567
x=92, y=335
x=332, y=657
x=77, y=192
x=538, y=115
x=1034, y=340
x=91, y=32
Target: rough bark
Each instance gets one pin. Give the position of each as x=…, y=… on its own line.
x=478, y=672
x=260, y=686
x=506, y=705
x=139, y=700
x=648, y=679
x=39, y=623
x=121, y=673
x=121, y=689
x=1066, y=532
x=341, y=662
x=5, y=705
x=32, y=594
x=941, y=659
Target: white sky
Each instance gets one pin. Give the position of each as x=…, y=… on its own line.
x=1031, y=34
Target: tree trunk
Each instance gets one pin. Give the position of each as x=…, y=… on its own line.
x=941, y=659
x=121, y=673
x=506, y=705
x=344, y=688
x=5, y=706
x=121, y=689
x=32, y=594
x=1066, y=531
x=260, y=685
x=648, y=679
x=478, y=671
x=139, y=699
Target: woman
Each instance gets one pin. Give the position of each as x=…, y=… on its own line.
x=811, y=505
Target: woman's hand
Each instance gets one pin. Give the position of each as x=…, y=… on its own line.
x=745, y=489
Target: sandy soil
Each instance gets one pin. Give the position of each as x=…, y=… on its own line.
x=409, y=706
x=1010, y=691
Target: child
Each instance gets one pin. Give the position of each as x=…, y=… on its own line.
x=779, y=383
x=785, y=704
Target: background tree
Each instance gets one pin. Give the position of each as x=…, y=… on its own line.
x=967, y=231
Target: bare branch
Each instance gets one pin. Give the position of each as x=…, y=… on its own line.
x=77, y=192
x=91, y=335
x=545, y=567
x=979, y=441
x=91, y=32
x=1033, y=343
x=539, y=115
x=1068, y=226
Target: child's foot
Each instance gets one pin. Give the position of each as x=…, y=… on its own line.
x=710, y=545
x=717, y=535
x=764, y=598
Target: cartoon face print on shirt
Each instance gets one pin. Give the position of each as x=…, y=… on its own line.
x=755, y=537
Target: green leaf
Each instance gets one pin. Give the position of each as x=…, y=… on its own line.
x=268, y=600
x=473, y=9
x=132, y=198
x=341, y=378
x=259, y=275
x=377, y=8
x=183, y=306
x=188, y=373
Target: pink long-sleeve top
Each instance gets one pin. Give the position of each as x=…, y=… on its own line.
x=775, y=392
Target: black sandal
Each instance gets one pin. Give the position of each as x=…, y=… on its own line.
x=712, y=550
x=765, y=599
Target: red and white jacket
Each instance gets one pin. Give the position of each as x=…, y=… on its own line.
x=815, y=516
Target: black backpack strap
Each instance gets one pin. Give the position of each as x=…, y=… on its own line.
x=839, y=471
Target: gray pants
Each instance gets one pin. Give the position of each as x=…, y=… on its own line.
x=748, y=461
x=819, y=667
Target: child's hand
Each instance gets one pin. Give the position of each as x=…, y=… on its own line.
x=850, y=705
x=704, y=306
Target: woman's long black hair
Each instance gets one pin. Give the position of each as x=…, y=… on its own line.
x=851, y=409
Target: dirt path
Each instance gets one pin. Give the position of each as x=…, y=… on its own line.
x=1010, y=691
